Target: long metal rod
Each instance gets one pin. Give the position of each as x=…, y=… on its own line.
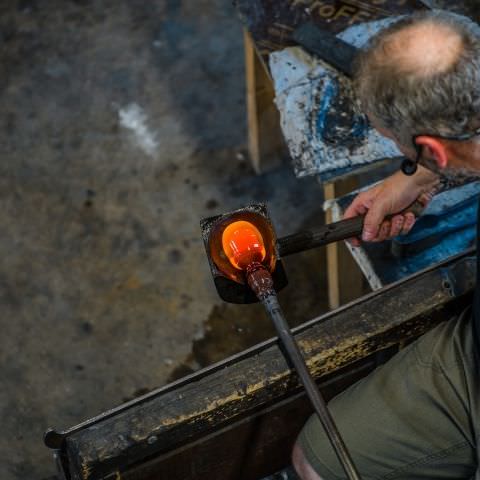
x=330, y=233
x=293, y=354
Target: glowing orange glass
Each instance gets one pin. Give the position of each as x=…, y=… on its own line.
x=243, y=244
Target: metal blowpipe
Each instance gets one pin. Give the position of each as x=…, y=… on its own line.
x=244, y=247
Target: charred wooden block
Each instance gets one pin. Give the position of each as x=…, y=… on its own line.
x=234, y=288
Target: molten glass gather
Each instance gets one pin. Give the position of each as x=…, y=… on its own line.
x=243, y=244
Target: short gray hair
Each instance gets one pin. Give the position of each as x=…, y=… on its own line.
x=407, y=103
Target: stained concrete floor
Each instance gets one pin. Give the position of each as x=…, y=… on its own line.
x=122, y=124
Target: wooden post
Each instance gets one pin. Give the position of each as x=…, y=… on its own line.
x=332, y=255
x=252, y=123
x=266, y=146
x=345, y=280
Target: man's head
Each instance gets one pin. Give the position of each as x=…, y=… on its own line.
x=419, y=80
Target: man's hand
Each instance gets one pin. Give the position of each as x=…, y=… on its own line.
x=391, y=197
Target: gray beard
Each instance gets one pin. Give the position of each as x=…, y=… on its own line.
x=451, y=177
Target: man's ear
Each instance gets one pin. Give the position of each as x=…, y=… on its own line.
x=434, y=148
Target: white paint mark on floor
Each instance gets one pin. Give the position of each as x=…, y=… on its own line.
x=135, y=119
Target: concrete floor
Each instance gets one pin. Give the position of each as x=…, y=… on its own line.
x=123, y=124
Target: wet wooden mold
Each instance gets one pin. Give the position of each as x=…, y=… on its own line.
x=239, y=418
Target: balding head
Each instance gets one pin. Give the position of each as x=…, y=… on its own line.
x=422, y=75
x=425, y=48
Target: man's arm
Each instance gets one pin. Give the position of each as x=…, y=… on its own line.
x=395, y=194
x=392, y=197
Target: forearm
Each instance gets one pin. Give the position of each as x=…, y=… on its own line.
x=393, y=197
